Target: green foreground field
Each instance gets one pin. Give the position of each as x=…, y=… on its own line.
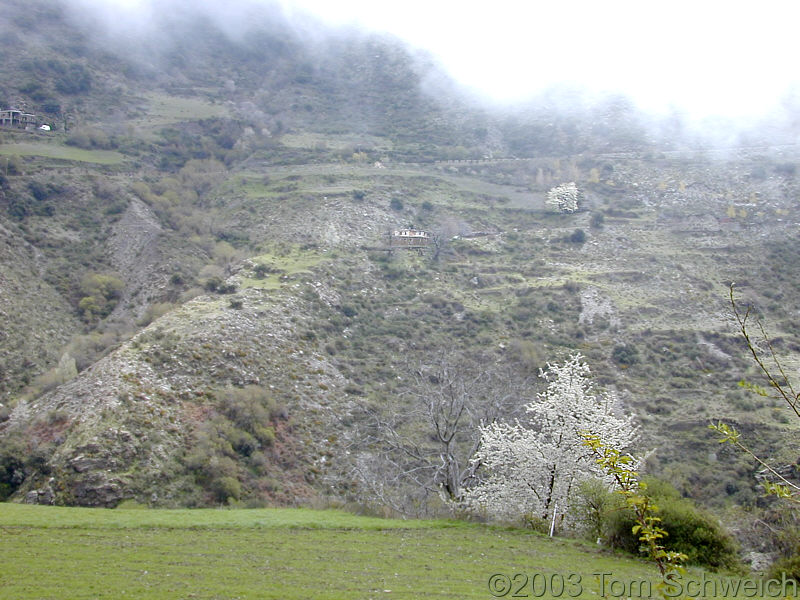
x=75, y=553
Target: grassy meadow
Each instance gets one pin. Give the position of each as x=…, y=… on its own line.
x=79, y=553
x=56, y=151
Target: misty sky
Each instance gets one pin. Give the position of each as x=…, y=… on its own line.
x=704, y=57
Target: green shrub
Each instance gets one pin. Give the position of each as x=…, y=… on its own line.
x=260, y=271
x=41, y=191
x=80, y=139
x=73, y=78
x=528, y=354
x=12, y=466
x=153, y=312
x=348, y=310
x=226, y=488
x=265, y=435
x=101, y=292
x=393, y=271
x=243, y=443
x=13, y=165
x=690, y=530
x=212, y=284
x=790, y=567
x=624, y=354
x=594, y=508
x=536, y=523
x=578, y=236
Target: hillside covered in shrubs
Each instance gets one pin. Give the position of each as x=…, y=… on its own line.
x=200, y=304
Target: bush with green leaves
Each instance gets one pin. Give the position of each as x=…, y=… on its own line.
x=578, y=236
x=594, y=509
x=227, y=489
x=227, y=454
x=692, y=531
x=153, y=312
x=625, y=355
x=89, y=139
x=12, y=165
x=789, y=567
x=12, y=466
x=71, y=78
x=100, y=294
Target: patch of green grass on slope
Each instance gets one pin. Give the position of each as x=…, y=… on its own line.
x=163, y=109
x=100, y=157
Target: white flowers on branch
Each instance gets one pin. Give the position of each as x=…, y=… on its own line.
x=531, y=468
x=564, y=197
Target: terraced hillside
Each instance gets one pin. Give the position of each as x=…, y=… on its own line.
x=199, y=304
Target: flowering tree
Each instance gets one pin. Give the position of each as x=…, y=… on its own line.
x=530, y=467
x=564, y=197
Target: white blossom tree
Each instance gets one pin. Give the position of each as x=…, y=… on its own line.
x=564, y=197
x=530, y=468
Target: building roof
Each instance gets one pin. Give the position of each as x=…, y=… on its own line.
x=410, y=233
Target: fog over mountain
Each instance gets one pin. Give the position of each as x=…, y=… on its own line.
x=712, y=59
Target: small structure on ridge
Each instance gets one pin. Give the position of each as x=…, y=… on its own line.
x=409, y=238
x=17, y=118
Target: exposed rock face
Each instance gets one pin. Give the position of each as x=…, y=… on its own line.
x=46, y=495
x=593, y=305
x=97, y=489
x=91, y=448
x=134, y=251
x=759, y=561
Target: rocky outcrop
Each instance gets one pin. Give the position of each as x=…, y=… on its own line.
x=45, y=495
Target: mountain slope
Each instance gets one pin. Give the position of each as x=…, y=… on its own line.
x=210, y=250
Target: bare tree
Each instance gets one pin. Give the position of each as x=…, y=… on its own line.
x=443, y=233
x=423, y=450
x=774, y=479
x=779, y=481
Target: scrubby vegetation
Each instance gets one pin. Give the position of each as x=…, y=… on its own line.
x=200, y=308
x=690, y=530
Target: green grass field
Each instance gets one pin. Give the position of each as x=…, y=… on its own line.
x=163, y=109
x=100, y=157
x=77, y=553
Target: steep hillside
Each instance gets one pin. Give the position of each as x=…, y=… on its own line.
x=37, y=321
x=327, y=329
x=209, y=248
